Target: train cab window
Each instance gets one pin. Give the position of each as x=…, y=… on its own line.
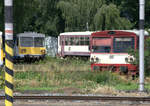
x=101, y=45
x=26, y=41
x=123, y=45
x=38, y=42
x=101, y=49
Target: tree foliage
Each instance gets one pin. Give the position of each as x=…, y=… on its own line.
x=146, y=57
x=77, y=13
x=108, y=17
x=54, y=16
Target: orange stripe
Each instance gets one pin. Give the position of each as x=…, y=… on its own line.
x=8, y=31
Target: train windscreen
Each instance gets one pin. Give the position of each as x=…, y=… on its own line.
x=123, y=44
x=26, y=41
x=101, y=45
x=39, y=42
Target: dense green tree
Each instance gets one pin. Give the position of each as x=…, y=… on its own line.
x=45, y=18
x=108, y=17
x=54, y=16
x=1, y=15
x=97, y=13
x=77, y=13
x=130, y=9
x=23, y=11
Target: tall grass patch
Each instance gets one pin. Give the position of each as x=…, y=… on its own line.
x=53, y=74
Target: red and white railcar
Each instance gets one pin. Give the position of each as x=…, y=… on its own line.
x=74, y=44
x=109, y=50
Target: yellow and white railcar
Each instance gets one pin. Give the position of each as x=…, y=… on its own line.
x=29, y=46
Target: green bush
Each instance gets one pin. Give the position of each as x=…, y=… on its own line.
x=2, y=80
x=146, y=57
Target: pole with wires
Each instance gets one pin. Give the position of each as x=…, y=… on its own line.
x=8, y=52
x=141, y=45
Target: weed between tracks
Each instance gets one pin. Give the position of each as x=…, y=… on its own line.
x=70, y=75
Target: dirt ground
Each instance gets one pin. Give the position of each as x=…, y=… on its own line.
x=76, y=103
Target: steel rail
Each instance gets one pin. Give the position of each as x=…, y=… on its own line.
x=104, y=98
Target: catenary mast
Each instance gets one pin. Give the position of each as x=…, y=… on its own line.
x=8, y=52
x=141, y=45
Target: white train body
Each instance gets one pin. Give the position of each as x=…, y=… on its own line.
x=74, y=44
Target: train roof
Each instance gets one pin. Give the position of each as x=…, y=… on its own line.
x=77, y=33
x=30, y=34
x=127, y=31
x=136, y=32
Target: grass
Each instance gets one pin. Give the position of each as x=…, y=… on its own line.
x=54, y=74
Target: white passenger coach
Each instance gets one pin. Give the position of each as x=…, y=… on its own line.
x=74, y=44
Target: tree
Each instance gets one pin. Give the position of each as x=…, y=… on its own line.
x=146, y=57
x=130, y=10
x=108, y=18
x=77, y=13
x=23, y=11
x=45, y=19
x=1, y=15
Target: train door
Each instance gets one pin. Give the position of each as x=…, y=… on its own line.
x=1, y=50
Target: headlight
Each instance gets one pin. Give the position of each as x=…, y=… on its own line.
x=131, y=59
x=126, y=59
x=97, y=59
x=23, y=50
x=92, y=60
x=43, y=51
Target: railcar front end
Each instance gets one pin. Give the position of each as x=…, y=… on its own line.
x=30, y=46
x=109, y=51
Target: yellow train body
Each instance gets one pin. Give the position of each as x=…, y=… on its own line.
x=32, y=51
x=28, y=46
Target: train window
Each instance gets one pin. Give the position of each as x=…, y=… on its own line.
x=81, y=40
x=61, y=40
x=71, y=40
x=101, y=45
x=101, y=49
x=39, y=42
x=123, y=45
x=87, y=41
x=76, y=41
x=66, y=40
x=26, y=41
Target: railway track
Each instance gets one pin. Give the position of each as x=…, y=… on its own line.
x=104, y=98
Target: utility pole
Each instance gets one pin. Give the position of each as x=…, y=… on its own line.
x=141, y=45
x=8, y=52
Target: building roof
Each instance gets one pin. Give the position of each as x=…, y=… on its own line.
x=137, y=32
